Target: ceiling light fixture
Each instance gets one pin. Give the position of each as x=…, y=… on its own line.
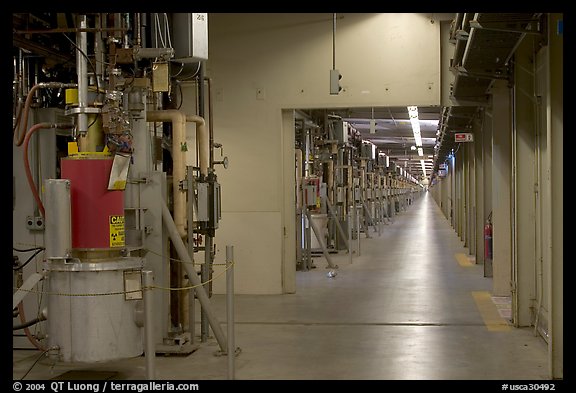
x=413, y=114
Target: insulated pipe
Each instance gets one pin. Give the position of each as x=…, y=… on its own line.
x=178, y=120
x=203, y=141
x=193, y=276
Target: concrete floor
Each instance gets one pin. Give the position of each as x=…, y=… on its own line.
x=403, y=310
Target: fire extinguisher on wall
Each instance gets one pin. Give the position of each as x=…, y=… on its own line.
x=488, y=238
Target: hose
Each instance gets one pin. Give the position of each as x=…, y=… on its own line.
x=29, y=323
x=31, y=338
x=18, y=135
x=33, y=187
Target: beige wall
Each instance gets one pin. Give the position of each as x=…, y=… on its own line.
x=262, y=63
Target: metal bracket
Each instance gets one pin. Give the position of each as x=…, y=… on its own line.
x=526, y=26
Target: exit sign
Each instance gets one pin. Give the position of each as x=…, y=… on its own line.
x=463, y=137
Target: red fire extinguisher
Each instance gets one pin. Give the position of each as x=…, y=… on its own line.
x=488, y=238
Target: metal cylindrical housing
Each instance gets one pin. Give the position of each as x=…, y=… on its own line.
x=57, y=235
x=97, y=213
x=93, y=320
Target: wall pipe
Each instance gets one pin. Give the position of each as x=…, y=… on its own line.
x=178, y=120
x=182, y=252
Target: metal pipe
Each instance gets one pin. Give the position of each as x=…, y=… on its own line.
x=151, y=53
x=230, y=310
x=338, y=226
x=149, y=347
x=320, y=239
x=357, y=227
x=203, y=142
x=210, y=120
x=308, y=241
x=206, y=269
x=178, y=120
x=137, y=29
x=180, y=247
x=350, y=237
x=82, y=72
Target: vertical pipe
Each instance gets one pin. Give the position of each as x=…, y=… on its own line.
x=150, y=350
x=357, y=226
x=82, y=72
x=205, y=274
x=137, y=29
x=349, y=220
x=334, y=41
x=308, y=240
x=210, y=122
x=190, y=231
x=230, y=310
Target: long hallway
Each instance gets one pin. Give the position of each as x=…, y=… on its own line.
x=412, y=306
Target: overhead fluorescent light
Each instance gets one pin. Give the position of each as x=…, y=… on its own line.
x=413, y=114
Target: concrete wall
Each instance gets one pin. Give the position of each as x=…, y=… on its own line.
x=261, y=64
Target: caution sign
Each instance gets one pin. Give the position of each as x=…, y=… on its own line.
x=116, y=231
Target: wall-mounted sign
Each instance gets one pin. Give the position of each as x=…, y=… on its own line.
x=463, y=137
x=442, y=173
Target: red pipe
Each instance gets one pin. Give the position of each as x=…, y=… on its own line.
x=33, y=187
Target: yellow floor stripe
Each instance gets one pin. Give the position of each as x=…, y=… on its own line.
x=492, y=319
x=463, y=260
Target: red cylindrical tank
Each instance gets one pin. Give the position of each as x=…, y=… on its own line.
x=97, y=213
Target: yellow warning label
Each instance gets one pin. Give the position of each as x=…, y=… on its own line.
x=116, y=231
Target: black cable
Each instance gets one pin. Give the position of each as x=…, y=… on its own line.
x=28, y=260
x=33, y=364
x=181, y=94
x=28, y=323
x=27, y=249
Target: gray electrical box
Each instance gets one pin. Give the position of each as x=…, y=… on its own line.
x=202, y=200
x=190, y=37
